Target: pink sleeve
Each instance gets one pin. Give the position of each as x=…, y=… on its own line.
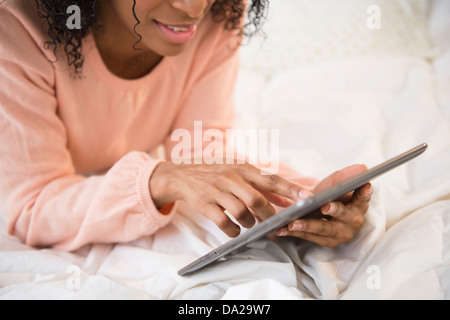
x=46, y=203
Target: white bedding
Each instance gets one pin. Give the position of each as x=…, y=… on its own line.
x=331, y=114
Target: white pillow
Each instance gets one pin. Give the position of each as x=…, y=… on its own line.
x=304, y=32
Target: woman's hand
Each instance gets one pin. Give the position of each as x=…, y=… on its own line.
x=340, y=220
x=240, y=189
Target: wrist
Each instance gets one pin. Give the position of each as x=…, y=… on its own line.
x=161, y=185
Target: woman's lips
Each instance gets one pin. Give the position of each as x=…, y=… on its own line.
x=178, y=34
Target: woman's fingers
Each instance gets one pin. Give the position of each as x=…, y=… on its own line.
x=323, y=241
x=346, y=211
x=276, y=199
x=216, y=214
x=235, y=185
x=241, y=190
x=258, y=192
x=320, y=231
x=362, y=196
x=342, y=222
x=237, y=209
x=271, y=183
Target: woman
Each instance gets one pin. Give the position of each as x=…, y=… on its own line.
x=81, y=108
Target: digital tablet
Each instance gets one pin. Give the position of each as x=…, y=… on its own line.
x=299, y=210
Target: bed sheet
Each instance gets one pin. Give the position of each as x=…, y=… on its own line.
x=402, y=251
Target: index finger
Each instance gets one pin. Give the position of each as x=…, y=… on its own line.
x=271, y=183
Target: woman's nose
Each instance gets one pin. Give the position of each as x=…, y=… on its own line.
x=193, y=8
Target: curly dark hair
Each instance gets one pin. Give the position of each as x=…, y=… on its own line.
x=54, y=12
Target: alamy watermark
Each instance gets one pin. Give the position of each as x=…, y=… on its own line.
x=259, y=147
x=73, y=282
x=373, y=21
x=74, y=20
x=374, y=279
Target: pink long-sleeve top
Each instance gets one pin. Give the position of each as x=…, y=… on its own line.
x=74, y=153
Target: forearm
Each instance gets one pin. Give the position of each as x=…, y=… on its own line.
x=71, y=211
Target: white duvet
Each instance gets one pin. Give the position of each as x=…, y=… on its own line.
x=330, y=115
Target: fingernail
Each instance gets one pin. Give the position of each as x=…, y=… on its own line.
x=329, y=208
x=282, y=233
x=305, y=194
x=296, y=226
x=370, y=191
